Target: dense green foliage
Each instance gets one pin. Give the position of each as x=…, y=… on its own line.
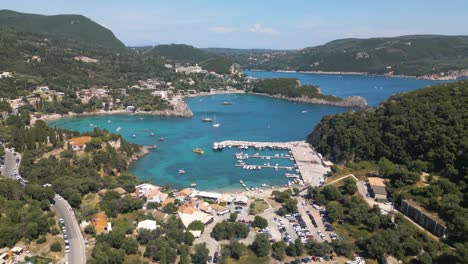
x=375, y=230
x=408, y=55
x=289, y=204
x=421, y=131
x=75, y=27
x=226, y=230
x=289, y=87
x=25, y=212
x=425, y=129
x=181, y=53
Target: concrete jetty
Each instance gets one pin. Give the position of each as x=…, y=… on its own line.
x=309, y=162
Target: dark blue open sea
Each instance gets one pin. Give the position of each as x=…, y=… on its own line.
x=250, y=117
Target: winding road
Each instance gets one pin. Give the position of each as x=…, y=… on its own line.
x=77, y=253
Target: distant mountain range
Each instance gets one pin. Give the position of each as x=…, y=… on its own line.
x=407, y=55
x=75, y=27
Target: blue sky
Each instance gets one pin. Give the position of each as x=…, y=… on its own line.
x=274, y=24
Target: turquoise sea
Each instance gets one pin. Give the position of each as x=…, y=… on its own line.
x=250, y=117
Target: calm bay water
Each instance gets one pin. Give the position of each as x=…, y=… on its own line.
x=375, y=88
x=250, y=117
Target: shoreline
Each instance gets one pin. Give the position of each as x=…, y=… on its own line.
x=340, y=73
x=180, y=110
x=347, y=102
x=216, y=92
x=450, y=76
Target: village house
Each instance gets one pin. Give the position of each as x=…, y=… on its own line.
x=162, y=94
x=189, y=214
x=6, y=75
x=190, y=69
x=101, y=223
x=85, y=59
x=147, y=224
x=79, y=143
x=378, y=189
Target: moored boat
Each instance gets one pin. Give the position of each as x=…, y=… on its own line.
x=198, y=151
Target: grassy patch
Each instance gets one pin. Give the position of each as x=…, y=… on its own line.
x=249, y=258
x=258, y=206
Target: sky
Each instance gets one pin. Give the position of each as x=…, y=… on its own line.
x=287, y=24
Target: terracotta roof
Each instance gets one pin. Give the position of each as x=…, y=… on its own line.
x=167, y=201
x=185, y=192
x=99, y=221
x=80, y=141
x=375, y=181
x=186, y=209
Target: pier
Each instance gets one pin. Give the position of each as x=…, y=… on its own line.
x=309, y=163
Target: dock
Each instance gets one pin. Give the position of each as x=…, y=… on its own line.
x=310, y=164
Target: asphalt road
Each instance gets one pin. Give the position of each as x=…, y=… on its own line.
x=77, y=253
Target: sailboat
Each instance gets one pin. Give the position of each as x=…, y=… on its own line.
x=216, y=124
x=206, y=119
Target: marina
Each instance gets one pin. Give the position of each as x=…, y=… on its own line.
x=310, y=166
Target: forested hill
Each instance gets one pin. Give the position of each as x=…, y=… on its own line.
x=425, y=130
x=407, y=55
x=181, y=53
x=75, y=27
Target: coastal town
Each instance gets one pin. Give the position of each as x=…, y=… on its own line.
x=198, y=133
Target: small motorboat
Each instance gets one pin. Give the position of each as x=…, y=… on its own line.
x=133, y=136
x=161, y=139
x=182, y=171
x=193, y=184
x=227, y=103
x=151, y=134
x=198, y=151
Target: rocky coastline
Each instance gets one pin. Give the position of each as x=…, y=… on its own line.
x=180, y=109
x=348, y=102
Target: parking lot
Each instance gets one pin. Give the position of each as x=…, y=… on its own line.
x=316, y=219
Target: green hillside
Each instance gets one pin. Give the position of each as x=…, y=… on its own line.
x=421, y=131
x=426, y=128
x=408, y=55
x=182, y=53
x=75, y=27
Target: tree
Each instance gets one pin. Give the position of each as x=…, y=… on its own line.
x=349, y=186
x=335, y=211
x=261, y=245
x=200, y=255
x=299, y=247
x=170, y=208
x=130, y=245
x=196, y=225
x=331, y=193
x=90, y=230
x=290, y=205
x=184, y=254
x=236, y=249
x=188, y=238
x=259, y=222
x=227, y=230
x=56, y=246
x=279, y=250
x=233, y=217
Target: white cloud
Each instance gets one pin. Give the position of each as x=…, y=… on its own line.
x=258, y=28
x=223, y=29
